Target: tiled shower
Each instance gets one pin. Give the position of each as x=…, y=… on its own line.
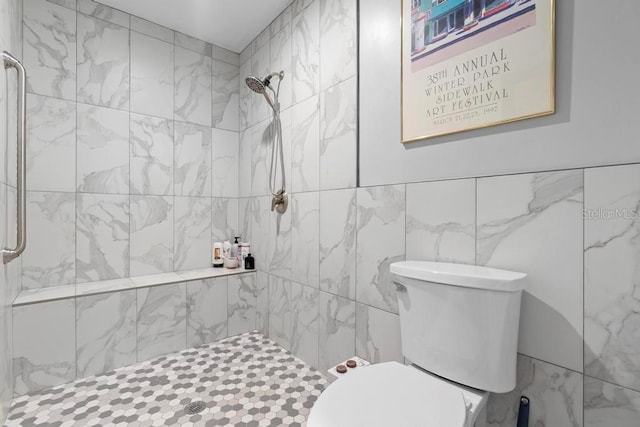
x=132, y=174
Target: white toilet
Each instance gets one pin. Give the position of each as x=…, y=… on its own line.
x=459, y=328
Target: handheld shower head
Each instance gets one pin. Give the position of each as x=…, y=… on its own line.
x=260, y=86
x=255, y=84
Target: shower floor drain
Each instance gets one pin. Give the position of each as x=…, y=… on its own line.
x=194, y=407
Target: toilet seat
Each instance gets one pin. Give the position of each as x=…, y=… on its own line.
x=389, y=394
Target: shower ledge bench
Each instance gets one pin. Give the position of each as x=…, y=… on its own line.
x=53, y=293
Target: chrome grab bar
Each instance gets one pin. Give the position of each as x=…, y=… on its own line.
x=21, y=240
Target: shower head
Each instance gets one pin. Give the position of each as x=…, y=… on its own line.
x=256, y=85
x=260, y=86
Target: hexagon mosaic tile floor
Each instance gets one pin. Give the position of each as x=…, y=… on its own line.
x=246, y=380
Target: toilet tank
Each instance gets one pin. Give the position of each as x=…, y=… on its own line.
x=460, y=321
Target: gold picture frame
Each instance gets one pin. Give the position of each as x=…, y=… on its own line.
x=472, y=64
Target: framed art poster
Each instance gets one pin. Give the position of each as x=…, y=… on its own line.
x=469, y=64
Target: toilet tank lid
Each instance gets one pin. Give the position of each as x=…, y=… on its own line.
x=469, y=276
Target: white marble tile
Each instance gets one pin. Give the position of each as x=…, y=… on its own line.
x=102, y=159
x=286, y=125
x=441, y=221
x=224, y=219
x=297, y=6
x=151, y=235
x=193, y=44
x=338, y=41
x=51, y=150
x=50, y=49
x=192, y=233
x=192, y=160
x=11, y=40
x=338, y=242
x=152, y=68
x=262, y=302
x=225, y=95
x=246, y=96
x=261, y=40
x=44, y=345
x=4, y=101
x=152, y=29
x=102, y=237
x=280, y=316
x=6, y=321
x=151, y=155
x=10, y=120
x=338, y=136
x=555, y=394
x=71, y=4
x=377, y=335
x=381, y=242
x=242, y=303
x=305, y=146
x=260, y=68
x=192, y=101
x=206, y=311
x=50, y=255
x=260, y=157
x=280, y=22
x=225, y=146
x=336, y=330
x=225, y=55
x=103, y=63
x=611, y=274
x=305, y=52
x=106, y=332
x=280, y=47
x=245, y=55
x=6, y=384
x=532, y=223
x=13, y=270
x=280, y=256
x=161, y=320
x=305, y=238
x=106, y=13
x=609, y=405
x=304, y=322
x=254, y=225
x=261, y=143
x=244, y=163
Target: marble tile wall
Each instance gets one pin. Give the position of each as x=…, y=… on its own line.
x=133, y=154
x=326, y=266
x=308, y=254
x=59, y=341
x=528, y=222
x=10, y=41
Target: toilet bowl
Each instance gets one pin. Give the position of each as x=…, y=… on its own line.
x=459, y=326
x=391, y=394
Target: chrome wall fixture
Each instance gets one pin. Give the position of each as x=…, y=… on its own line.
x=21, y=236
x=280, y=199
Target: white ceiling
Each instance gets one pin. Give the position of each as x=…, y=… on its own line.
x=231, y=24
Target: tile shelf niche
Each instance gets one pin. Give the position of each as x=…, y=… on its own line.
x=53, y=293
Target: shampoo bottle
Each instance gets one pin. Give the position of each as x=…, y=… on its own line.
x=249, y=263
